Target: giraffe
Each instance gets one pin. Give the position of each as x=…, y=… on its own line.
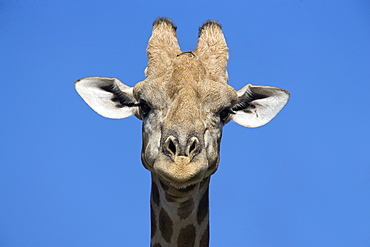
x=183, y=103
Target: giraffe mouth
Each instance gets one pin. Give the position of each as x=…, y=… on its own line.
x=187, y=188
x=182, y=177
x=182, y=185
x=181, y=171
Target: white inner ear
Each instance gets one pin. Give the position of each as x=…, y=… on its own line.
x=263, y=110
x=106, y=103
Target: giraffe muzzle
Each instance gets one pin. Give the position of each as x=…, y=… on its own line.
x=174, y=149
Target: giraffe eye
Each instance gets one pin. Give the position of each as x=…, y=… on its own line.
x=144, y=109
x=224, y=115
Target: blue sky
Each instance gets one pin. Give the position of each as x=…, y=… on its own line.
x=69, y=177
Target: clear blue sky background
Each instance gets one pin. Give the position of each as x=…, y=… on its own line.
x=69, y=177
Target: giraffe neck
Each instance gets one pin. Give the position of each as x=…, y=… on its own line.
x=179, y=217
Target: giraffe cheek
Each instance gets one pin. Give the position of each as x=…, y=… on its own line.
x=150, y=149
x=149, y=156
x=212, y=146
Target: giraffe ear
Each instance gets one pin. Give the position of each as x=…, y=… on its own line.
x=258, y=105
x=107, y=96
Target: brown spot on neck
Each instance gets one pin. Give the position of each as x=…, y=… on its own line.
x=153, y=222
x=204, y=241
x=185, y=209
x=203, y=207
x=165, y=225
x=186, y=236
x=155, y=193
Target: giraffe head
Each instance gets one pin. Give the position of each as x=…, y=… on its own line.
x=184, y=102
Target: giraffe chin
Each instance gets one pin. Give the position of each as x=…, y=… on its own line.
x=181, y=177
x=181, y=184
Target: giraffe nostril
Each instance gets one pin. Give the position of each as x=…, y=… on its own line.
x=172, y=147
x=192, y=147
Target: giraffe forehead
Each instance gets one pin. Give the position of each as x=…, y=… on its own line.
x=187, y=95
x=186, y=82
